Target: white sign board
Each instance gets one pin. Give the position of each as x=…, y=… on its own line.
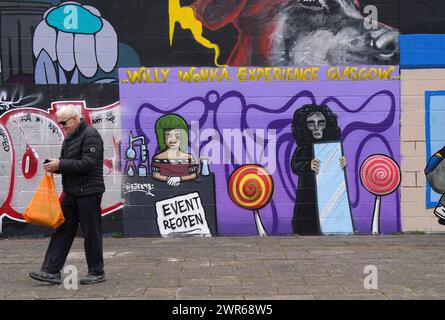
x=182, y=216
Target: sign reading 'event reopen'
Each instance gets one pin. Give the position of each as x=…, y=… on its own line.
x=182, y=215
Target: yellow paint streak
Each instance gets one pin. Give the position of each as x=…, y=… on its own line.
x=185, y=16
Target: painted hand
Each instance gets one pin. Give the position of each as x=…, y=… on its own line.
x=343, y=161
x=315, y=165
x=73, y=38
x=173, y=181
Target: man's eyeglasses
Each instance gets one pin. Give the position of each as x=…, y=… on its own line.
x=63, y=123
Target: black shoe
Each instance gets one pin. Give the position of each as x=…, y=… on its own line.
x=92, y=279
x=43, y=276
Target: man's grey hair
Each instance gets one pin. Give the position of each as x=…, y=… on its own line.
x=69, y=110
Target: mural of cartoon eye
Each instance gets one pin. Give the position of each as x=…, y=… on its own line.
x=73, y=39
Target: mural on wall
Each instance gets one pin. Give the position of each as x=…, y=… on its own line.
x=69, y=43
x=435, y=186
x=232, y=117
x=318, y=208
x=73, y=41
x=16, y=31
x=185, y=17
x=283, y=32
x=173, y=164
x=244, y=115
x=380, y=175
x=173, y=193
x=30, y=134
x=251, y=187
x=422, y=36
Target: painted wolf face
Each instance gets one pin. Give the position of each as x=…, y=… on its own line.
x=300, y=32
x=331, y=32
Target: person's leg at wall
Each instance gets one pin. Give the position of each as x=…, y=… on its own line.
x=59, y=245
x=91, y=224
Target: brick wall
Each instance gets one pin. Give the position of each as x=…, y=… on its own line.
x=138, y=35
x=414, y=83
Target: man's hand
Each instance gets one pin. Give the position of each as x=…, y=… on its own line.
x=52, y=166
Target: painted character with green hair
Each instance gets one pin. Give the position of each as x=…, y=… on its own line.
x=173, y=164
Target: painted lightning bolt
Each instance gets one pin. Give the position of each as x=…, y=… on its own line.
x=185, y=16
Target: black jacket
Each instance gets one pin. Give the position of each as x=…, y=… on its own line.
x=81, y=162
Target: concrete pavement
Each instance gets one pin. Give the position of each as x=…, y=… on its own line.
x=240, y=268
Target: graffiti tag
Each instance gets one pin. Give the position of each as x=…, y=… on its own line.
x=110, y=117
x=5, y=142
x=138, y=187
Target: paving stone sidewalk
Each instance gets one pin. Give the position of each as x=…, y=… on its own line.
x=239, y=268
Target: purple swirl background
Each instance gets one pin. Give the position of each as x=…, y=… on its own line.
x=368, y=114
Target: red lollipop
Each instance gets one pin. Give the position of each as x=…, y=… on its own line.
x=251, y=187
x=380, y=175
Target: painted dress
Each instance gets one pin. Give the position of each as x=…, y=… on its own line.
x=305, y=219
x=174, y=167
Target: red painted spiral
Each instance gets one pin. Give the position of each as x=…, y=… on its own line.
x=380, y=175
x=250, y=186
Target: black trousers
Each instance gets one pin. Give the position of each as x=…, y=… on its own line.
x=86, y=211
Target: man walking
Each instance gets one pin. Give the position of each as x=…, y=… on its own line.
x=81, y=166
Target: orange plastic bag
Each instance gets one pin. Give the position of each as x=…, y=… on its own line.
x=44, y=208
